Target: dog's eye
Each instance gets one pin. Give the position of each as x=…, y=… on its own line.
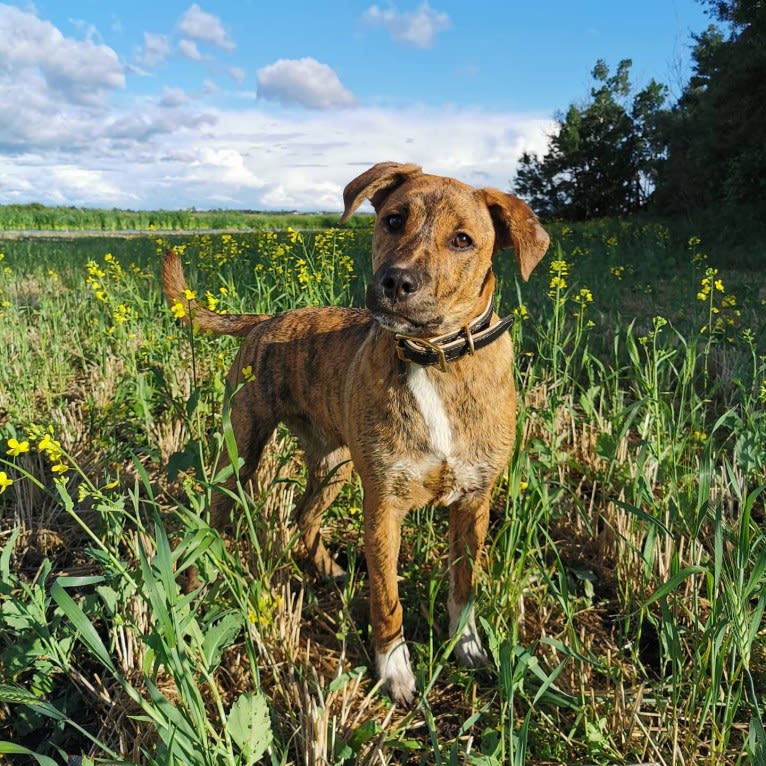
x=394, y=222
x=461, y=241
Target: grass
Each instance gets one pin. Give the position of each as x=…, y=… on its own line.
x=41, y=218
x=622, y=596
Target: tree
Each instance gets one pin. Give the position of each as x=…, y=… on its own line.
x=717, y=131
x=603, y=157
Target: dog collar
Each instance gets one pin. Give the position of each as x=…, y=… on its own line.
x=441, y=349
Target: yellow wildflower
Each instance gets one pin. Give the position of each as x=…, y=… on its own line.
x=178, y=310
x=123, y=313
x=212, y=301
x=5, y=482
x=16, y=448
x=94, y=271
x=617, y=271
x=50, y=445
x=190, y=295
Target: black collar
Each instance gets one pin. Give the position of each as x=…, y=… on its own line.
x=446, y=348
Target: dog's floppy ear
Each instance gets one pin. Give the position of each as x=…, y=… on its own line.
x=517, y=226
x=374, y=184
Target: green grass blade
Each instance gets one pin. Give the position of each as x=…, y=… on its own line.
x=85, y=628
x=8, y=748
x=673, y=583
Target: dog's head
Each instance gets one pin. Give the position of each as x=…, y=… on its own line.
x=433, y=245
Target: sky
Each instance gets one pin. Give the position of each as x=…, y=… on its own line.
x=277, y=104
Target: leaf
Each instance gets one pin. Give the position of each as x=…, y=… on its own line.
x=16, y=695
x=5, y=557
x=363, y=734
x=10, y=749
x=78, y=618
x=606, y=446
x=218, y=637
x=249, y=726
x=193, y=401
x=110, y=597
x=182, y=461
x=673, y=583
x=339, y=682
x=79, y=582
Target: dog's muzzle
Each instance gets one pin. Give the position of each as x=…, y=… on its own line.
x=396, y=299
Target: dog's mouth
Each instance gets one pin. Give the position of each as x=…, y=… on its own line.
x=404, y=325
x=402, y=318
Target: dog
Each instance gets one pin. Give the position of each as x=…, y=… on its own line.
x=416, y=390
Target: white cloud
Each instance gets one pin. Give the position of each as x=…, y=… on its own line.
x=188, y=49
x=237, y=74
x=73, y=71
x=300, y=160
x=155, y=50
x=173, y=97
x=417, y=29
x=71, y=181
x=209, y=87
x=305, y=81
x=201, y=26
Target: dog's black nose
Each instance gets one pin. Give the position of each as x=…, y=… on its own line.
x=399, y=284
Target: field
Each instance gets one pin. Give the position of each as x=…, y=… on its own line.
x=622, y=597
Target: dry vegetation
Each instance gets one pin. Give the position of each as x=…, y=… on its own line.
x=622, y=595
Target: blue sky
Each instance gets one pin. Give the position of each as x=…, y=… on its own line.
x=276, y=105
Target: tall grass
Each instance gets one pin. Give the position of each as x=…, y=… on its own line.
x=622, y=596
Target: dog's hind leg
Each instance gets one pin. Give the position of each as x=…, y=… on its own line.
x=251, y=435
x=327, y=473
x=250, y=438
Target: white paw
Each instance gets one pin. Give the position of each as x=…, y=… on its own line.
x=468, y=649
x=394, y=670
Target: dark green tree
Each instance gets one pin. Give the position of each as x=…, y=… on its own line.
x=602, y=159
x=716, y=133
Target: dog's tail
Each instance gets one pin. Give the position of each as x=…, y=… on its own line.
x=189, y=309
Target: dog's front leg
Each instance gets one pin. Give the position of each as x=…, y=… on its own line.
x=382, y=535
x=468, y=522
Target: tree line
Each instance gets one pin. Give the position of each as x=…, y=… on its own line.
x=624, y=151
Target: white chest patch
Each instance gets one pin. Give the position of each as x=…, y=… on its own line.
x=456, y=475
x=432, y=410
